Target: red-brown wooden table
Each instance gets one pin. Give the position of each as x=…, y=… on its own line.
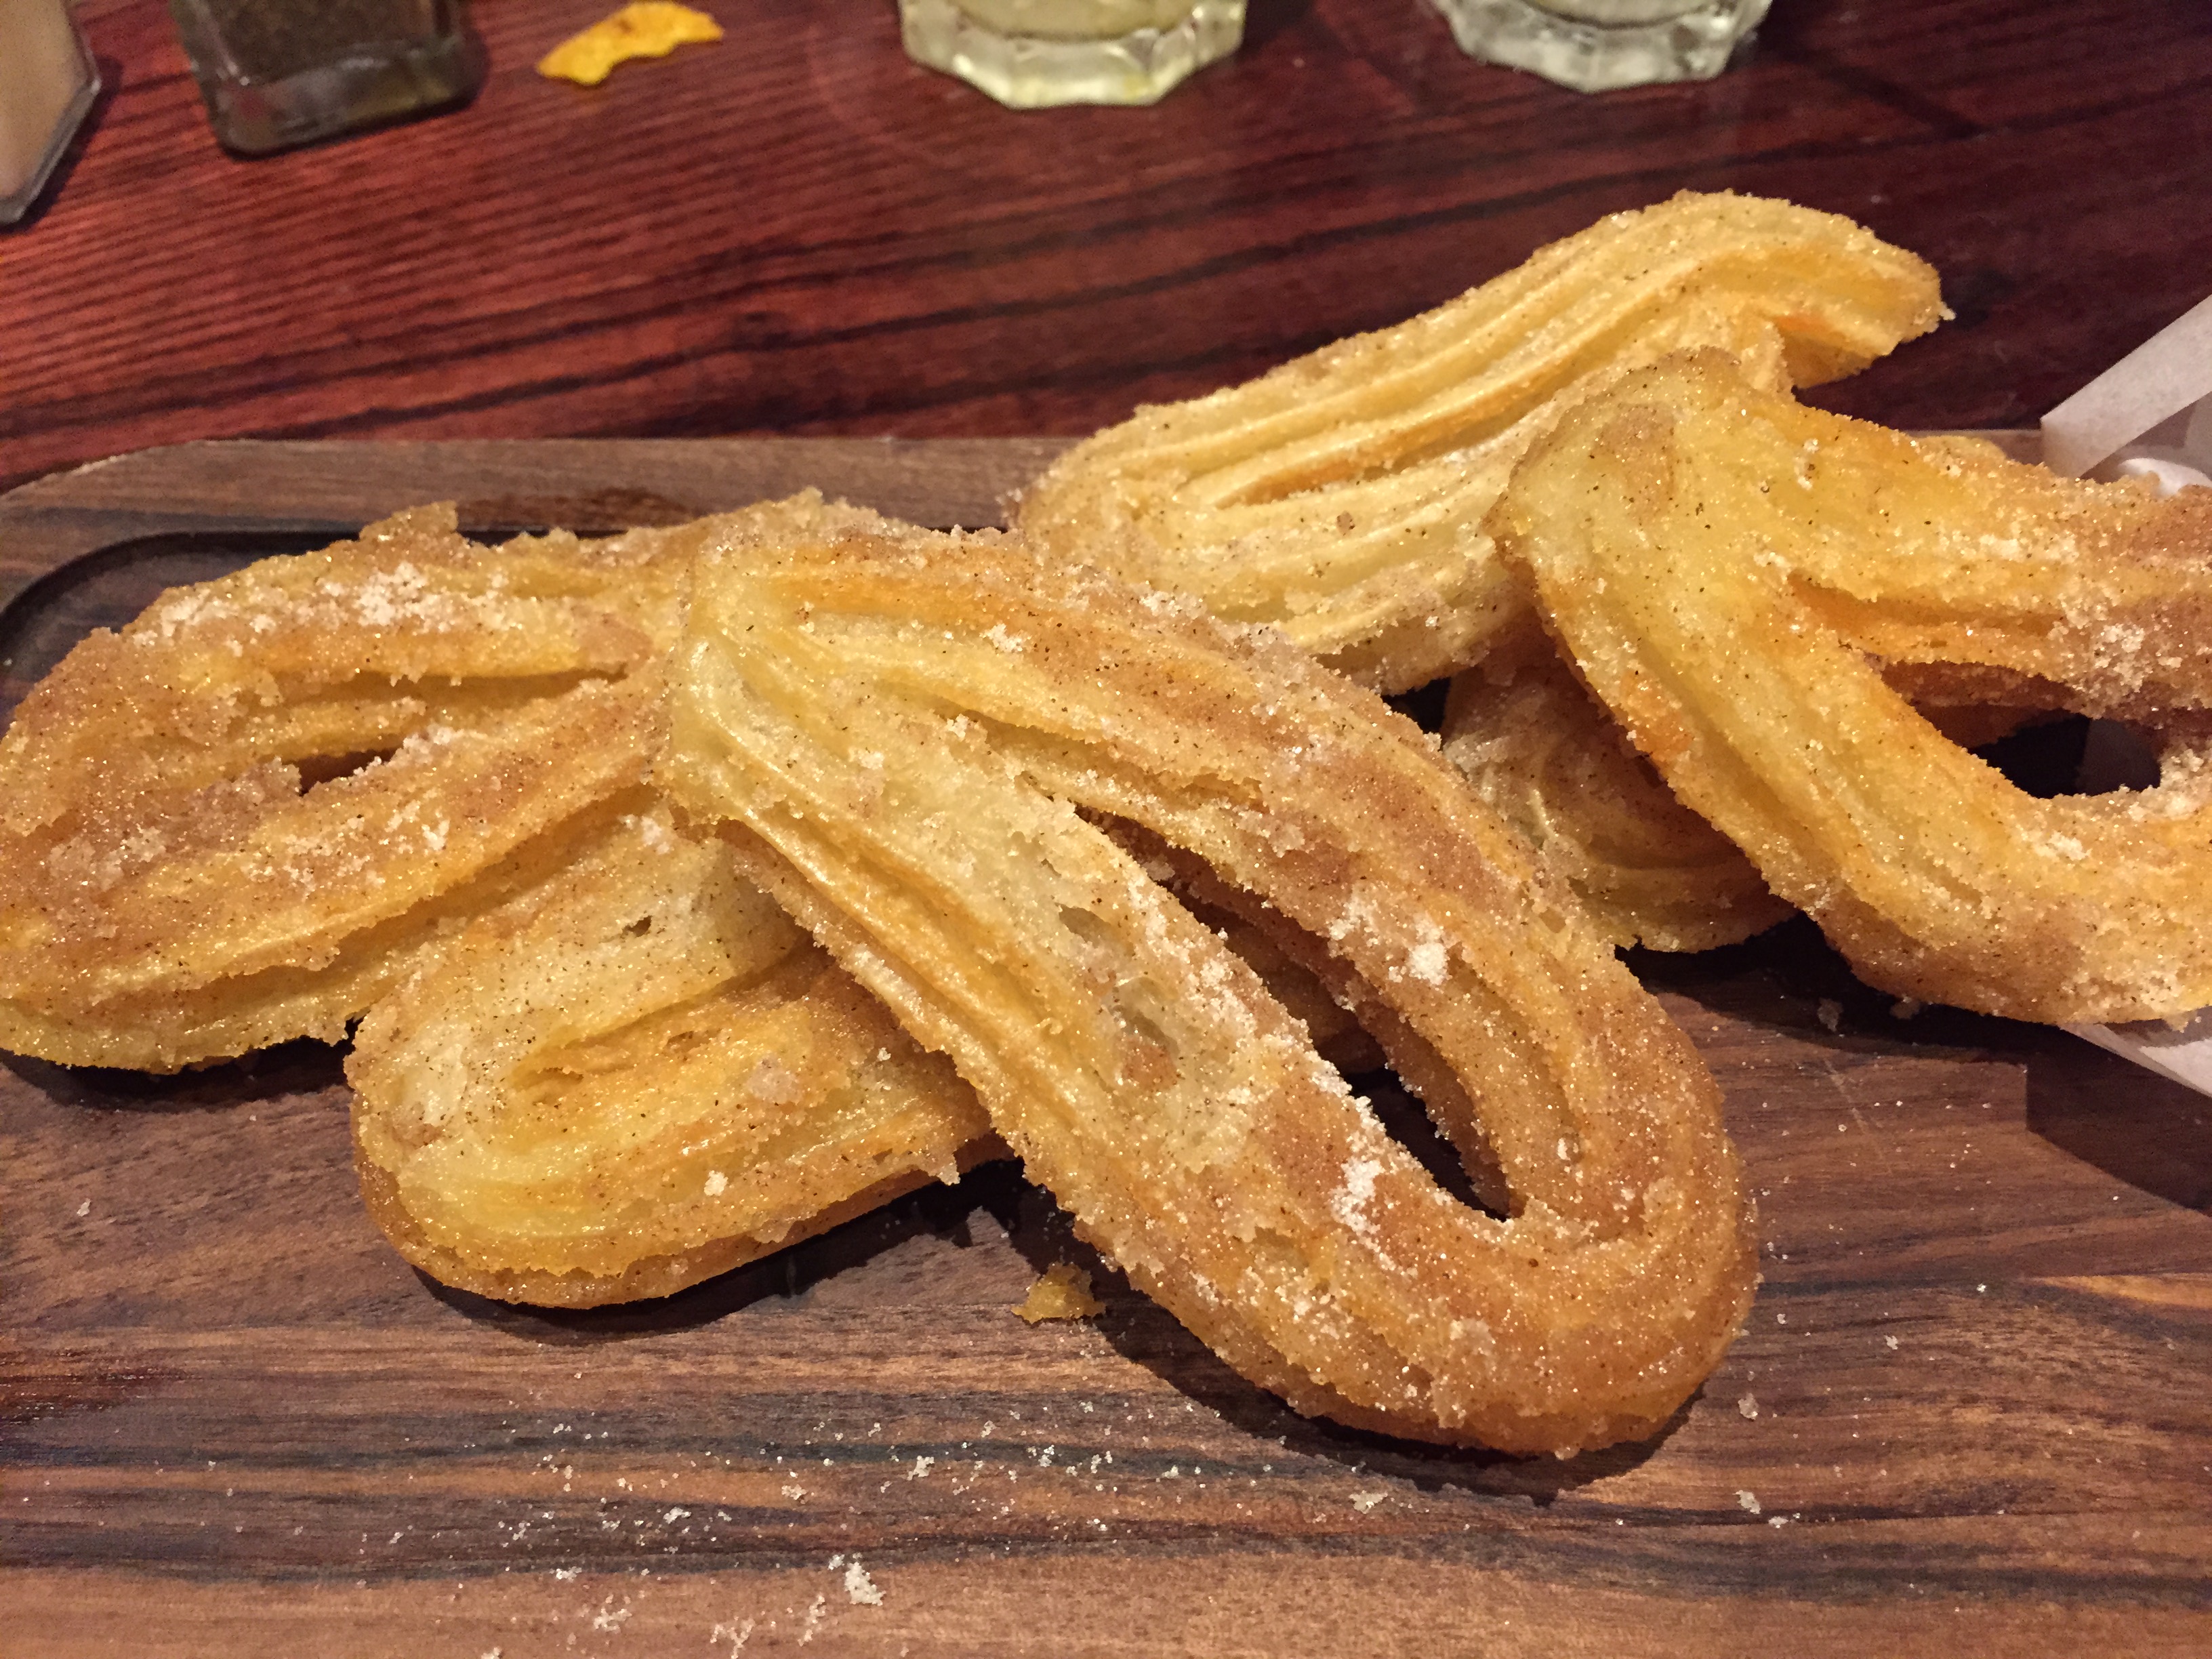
x=1968, y=1415
x=798, y=231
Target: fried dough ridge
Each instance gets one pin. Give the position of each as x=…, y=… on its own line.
x=899, y=728
x=645, y=1076
x=1553, y=762
x=1341, y=496
x=1738, y=578
x=176, y=886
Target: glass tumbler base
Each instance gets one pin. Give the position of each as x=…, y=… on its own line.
x=1589, y=55
x=1036, y=71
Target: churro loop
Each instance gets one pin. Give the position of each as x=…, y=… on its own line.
x=642, y=1076
x=900, y=728
x=176, y=885
x=1341, y=496
x=1557, y=768
x=1739, y=579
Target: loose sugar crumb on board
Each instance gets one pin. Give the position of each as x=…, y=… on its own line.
x=1062, y=1291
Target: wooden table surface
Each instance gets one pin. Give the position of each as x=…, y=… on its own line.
x=798, y=231
x=1968, y=1415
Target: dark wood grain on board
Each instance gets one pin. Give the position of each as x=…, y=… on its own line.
x=798, y=231
x=1967, y=1415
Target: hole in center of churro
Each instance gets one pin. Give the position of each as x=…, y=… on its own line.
x=2074, y=755
x=319, y=769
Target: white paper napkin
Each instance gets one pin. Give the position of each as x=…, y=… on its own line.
x=2151, y=403
x=2148, y=416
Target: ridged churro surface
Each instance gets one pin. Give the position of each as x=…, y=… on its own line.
x=1341, y=497
x=247, y=815
x=1556, y=767
x=1740, y=578
x=644, y=1076
x=898, y=730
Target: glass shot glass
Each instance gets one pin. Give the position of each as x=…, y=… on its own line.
x=1033, y=54
x=47, y=85
x=1594, y=46
x=275, y=73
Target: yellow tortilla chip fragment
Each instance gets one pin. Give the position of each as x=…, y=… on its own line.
x=1064, y=1292
x=647, y=28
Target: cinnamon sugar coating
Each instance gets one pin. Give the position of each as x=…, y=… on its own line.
x=1741, y=579
x=408, y=774
x=252, y=811
x=1557, y=768
x=642, y=1077
x=1341, y=497
x=898, y=729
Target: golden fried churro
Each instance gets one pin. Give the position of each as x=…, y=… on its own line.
x=1558, y=768
x=176, y=883
x=1735, y=574
x=642, y=1076
x=900, y=728
x=1341, y=497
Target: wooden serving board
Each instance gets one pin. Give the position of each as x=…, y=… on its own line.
x=1968, y=1414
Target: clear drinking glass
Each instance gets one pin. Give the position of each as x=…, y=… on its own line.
x=277, y=73
x=47, y=85
x=1031, y=54
x=1595, y=44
